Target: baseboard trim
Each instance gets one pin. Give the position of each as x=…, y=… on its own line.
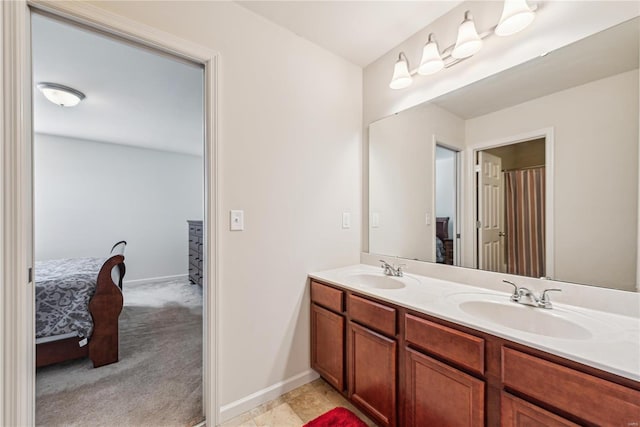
x=154, y=279
x=265, y=395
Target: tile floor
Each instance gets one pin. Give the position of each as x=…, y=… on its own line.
x=296, y=408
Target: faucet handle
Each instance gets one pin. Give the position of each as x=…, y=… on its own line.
x=545, y=301
x=515, y=296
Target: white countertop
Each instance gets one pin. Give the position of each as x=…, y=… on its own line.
x=614, y=344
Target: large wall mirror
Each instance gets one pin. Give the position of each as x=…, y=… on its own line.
x=532, y=171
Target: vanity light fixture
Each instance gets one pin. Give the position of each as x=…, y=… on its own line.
x=61, y=95
x=431, y=59
x=401, y=75
x=516, y=16
x=468, y=42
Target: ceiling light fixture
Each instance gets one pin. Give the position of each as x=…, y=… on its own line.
x=516, y=16
x=61, y=95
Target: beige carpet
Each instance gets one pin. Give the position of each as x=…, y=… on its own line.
x=158, y=380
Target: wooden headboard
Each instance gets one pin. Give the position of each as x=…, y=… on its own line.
x=442, y=227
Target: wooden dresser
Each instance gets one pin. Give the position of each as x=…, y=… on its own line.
x=195, y=252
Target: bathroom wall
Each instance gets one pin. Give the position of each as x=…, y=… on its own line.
x=402, y=154
x=290, y=120
x=88, y=195
x=595, y=207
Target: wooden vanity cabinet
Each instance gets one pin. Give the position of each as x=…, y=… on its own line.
x=372, y=373
x=373, y=349
x=404, y=368
x=577, y=394
x=520, y=413
x=327, y=334
x=440, y=395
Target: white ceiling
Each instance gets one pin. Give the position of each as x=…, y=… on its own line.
x=359, y=31
x=133, y=96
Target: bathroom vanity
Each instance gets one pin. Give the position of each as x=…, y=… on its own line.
x=416, y=351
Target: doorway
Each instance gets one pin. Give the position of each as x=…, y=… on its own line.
x=511, y=194
x=118, y=157
x=17, y=215
x=447, y=205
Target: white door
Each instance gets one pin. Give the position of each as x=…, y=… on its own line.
x=490, y=218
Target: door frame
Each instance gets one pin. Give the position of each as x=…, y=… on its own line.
x=458, y=243
x=471, y=196
x=17, y=355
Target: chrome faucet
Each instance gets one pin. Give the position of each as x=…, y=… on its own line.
x=526, y=296
x=391, y=270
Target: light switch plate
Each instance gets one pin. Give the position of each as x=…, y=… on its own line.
x=236, y=219
x=346, y=220
x=375, y=220
x=427, y=218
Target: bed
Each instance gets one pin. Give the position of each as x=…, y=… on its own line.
x=444, y=245
x=78, y=302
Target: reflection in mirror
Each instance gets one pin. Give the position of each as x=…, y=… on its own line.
x=446, y=207
x=510, y=194
x=548, y=175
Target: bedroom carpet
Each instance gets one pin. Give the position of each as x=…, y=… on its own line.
x=158, y=380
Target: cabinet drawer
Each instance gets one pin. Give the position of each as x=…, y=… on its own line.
x=516, y=412
x=458, y=347
x=376, y=316
x=327, y=296
x=590, y=398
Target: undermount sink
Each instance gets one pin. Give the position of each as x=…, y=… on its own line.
x=377, y=281
x=546, y=322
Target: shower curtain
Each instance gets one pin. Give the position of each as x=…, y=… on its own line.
x=525, y=222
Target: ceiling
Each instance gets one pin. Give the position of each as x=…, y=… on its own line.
x=133, y=96
x=359, y=31
x=601, y=55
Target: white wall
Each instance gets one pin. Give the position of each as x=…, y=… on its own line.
x=88, y=195
x=595, y=174
x=290, y=123
x=402, y=149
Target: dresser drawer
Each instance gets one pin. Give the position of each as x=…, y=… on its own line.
x=376, y=316
x=327, y=296
x=590, y=398
x=465, y=350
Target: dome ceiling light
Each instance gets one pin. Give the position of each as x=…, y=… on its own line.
x=61, y=95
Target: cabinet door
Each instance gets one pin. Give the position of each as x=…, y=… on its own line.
x=327, y=345
x=439, y=395
x=519, y=413
x=372, y=373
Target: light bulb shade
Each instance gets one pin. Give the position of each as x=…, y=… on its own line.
x=468, y=41
x=401, y=76
x=431, y=60
x=516, y=16
x=63, y=96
